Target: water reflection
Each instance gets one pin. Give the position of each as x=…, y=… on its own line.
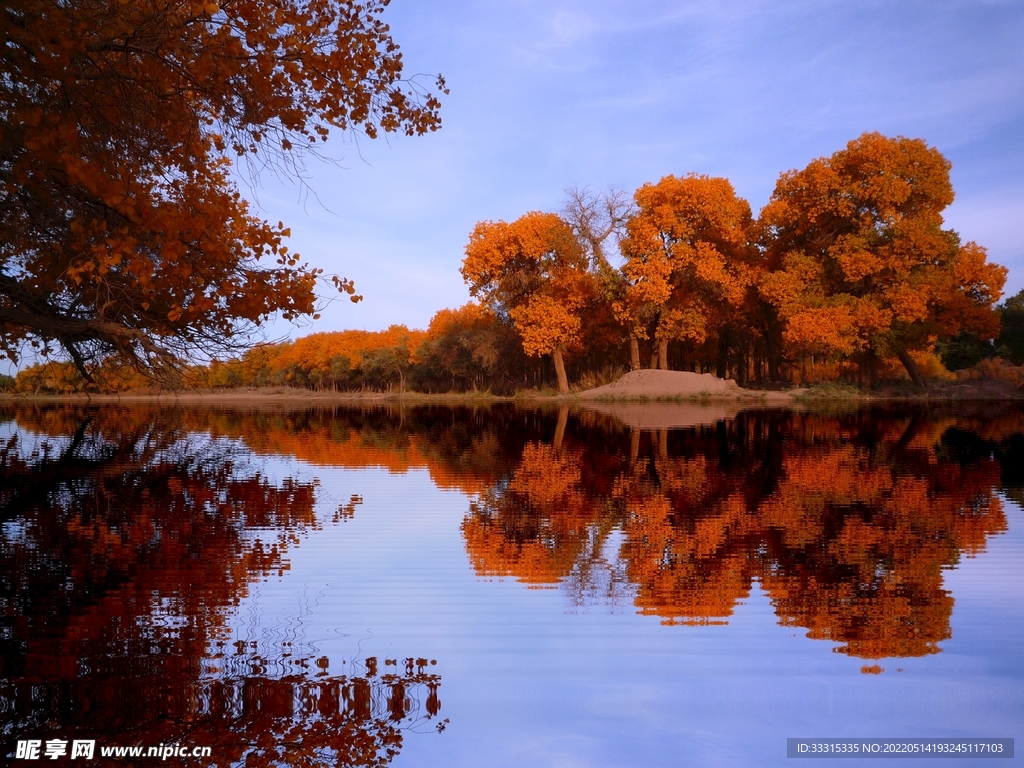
x=847, y=521
x=127, y=539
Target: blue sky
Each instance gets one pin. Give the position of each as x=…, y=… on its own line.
x=549, y=94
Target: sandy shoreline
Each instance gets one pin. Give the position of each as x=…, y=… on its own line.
x=649, y=384
x=643, y=388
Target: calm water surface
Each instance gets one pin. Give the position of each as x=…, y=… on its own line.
x=644, y=585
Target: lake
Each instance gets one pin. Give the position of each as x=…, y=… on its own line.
x=624, y=585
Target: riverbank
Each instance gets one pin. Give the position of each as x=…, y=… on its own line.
x=645, y=386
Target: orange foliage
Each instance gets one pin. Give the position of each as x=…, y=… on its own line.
x=847, y=523
x=847, y=274
x=996, y=369
x=533, y=270
x=860, y=262
x=121, y=229
x=325, y=440
x=881, y=592
x=849, y=542
x=330, y=357
x=688, y=262
x=536, y=529
x=463, y=343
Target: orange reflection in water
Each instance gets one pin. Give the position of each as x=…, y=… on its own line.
x=846, y=521
x=127, y=541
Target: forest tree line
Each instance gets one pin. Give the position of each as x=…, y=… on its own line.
x=847, y=273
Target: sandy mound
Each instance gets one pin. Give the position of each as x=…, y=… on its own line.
x=652, y=383
x=649, y=416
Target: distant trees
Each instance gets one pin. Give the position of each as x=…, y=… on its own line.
x=966, y=349
x=1011, y=340
x=467, y=348
x=847, y=272
x=336, y=361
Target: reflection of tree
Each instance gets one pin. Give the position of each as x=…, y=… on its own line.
x=846, y=522
x=689, y=569
x=855, y=555
x=126, y=542
x=535, y=525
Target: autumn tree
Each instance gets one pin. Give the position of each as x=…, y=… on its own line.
x=469, y=344
x=533, y=272
x=688, y=262
x=597, y=218
x=861, y=263
x=121, y=229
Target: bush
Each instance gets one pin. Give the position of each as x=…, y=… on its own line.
x=964, y=351
x=1011, y=340
x=997, y=369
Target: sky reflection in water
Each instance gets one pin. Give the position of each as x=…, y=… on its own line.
x=308, y=587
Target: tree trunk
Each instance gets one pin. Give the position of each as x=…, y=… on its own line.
x=771, y=353
x=563, y=420
x=654, y=359
x=912, y=369
x=563, y=380
x=634, y=353
x=871, y=368
x=663, y=354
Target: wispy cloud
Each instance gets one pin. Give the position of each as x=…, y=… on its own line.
x=546, y=93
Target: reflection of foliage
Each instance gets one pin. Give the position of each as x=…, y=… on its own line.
x=298, y=719
x=846, y=522
x=536, y=526
x=127, y=540
x=856, y=550
x=132, y=524
x=690, y=569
